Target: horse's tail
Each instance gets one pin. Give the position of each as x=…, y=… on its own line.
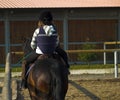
x=57, y=81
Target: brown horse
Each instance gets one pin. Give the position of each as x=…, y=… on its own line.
x=47, y=78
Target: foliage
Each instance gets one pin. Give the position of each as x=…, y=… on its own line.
x=87, y=57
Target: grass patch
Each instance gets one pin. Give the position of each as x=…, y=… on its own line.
x=93, y=66
x=2, y=69
x=75, y=67
x=14, y=69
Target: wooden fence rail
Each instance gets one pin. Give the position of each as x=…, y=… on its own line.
x=92, y=50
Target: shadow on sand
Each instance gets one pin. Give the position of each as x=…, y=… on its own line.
x=85, y=91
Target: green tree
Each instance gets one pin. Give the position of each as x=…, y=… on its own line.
x=87, y=57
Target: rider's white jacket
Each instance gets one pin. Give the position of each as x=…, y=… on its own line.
x=49, y=30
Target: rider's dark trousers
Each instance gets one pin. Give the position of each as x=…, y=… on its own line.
x=25, y=64
x=63, y=54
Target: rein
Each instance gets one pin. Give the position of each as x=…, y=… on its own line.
x=23, y=58
x=28, y=54
x=29, y=70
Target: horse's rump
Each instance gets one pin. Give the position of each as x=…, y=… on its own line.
x=48, y=79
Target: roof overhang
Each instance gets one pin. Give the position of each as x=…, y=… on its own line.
x=58, y=3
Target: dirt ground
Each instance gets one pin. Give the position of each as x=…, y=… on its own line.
x=86, y=88
x=94, y=90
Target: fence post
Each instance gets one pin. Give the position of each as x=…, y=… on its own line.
x=104, y=54
x=7, y=91
x=115, y=64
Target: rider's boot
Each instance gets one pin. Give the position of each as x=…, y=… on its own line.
x=67, y=65
x=23, y=83
x=64, y=55
x=65, y=58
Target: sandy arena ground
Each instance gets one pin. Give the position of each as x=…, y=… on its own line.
x=88, y=88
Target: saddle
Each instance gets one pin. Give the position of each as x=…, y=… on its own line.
x=41, y=57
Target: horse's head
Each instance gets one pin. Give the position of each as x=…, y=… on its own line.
x=26, y=45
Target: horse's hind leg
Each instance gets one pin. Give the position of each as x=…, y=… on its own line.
x=32, y=95
x=31, y=87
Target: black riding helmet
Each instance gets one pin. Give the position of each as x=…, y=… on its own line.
x=46, y=17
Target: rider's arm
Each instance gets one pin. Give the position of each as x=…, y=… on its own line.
x=33, y=41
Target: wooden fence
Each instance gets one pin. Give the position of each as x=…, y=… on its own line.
x=115, y=51
x=105, y=47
